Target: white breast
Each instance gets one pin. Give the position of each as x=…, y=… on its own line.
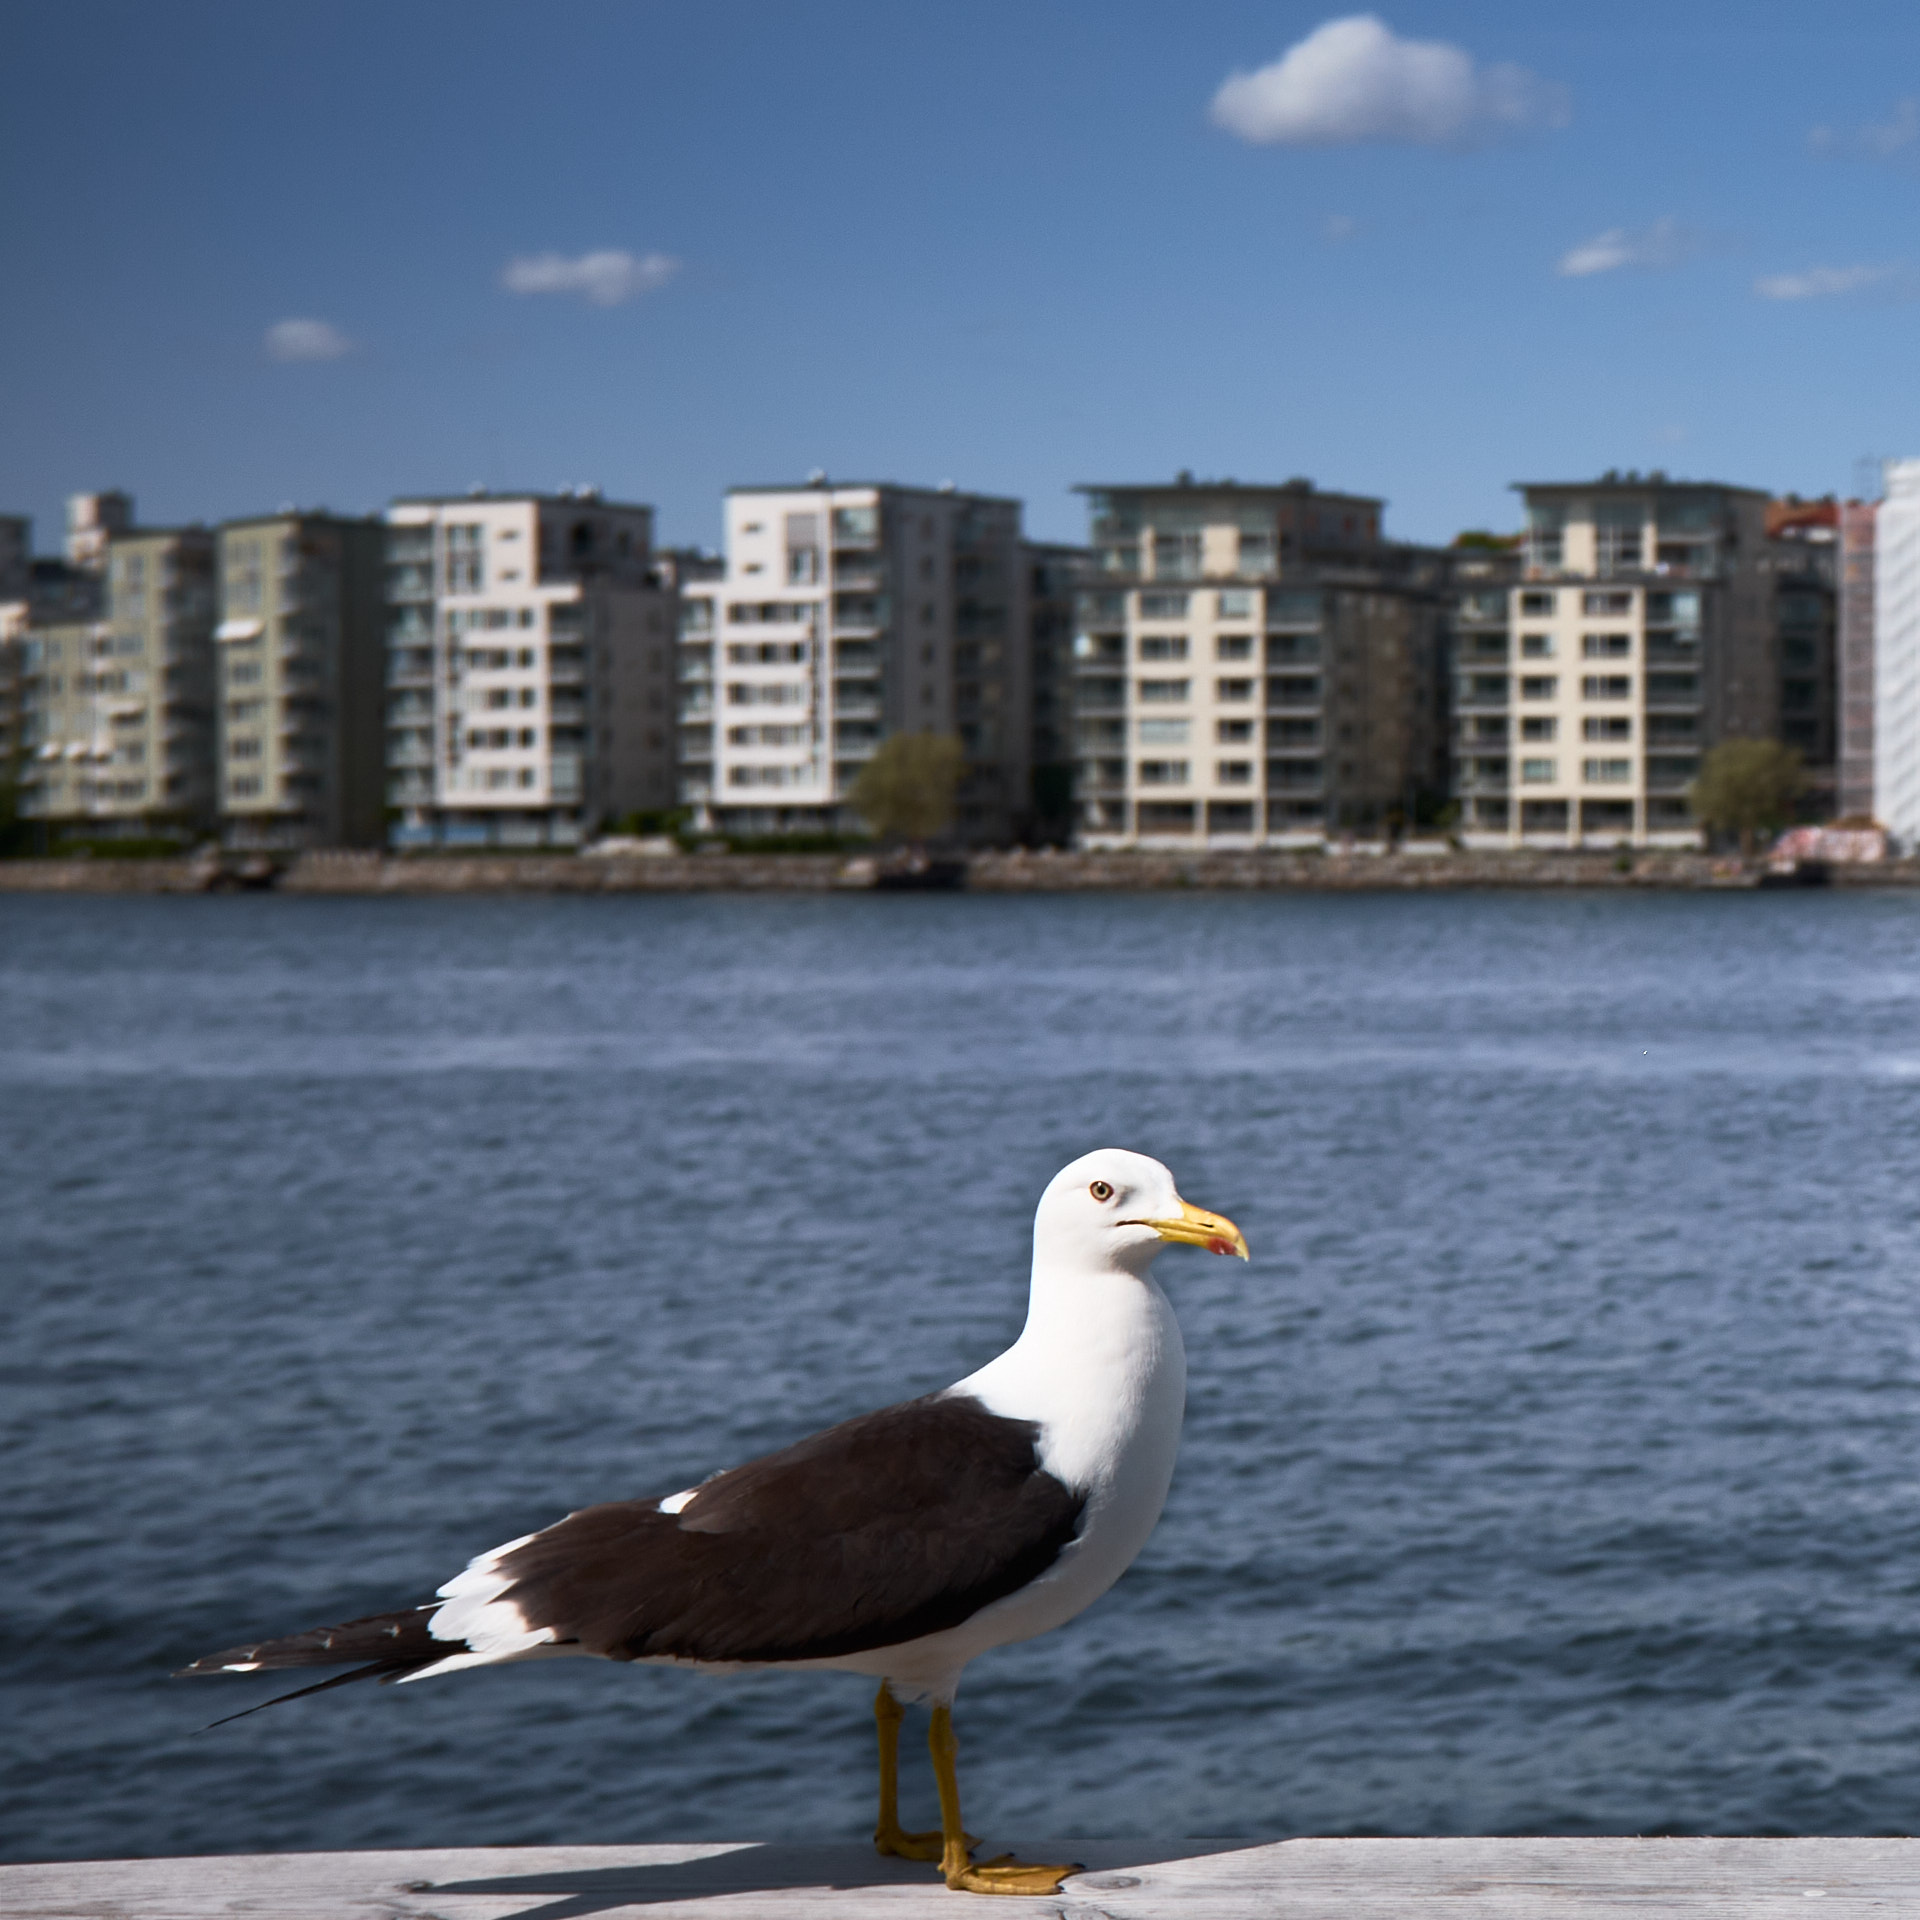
x=1102, y=1371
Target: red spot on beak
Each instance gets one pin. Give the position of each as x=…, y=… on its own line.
x=1218, y=1246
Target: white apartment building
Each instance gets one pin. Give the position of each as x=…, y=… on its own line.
x=1254, y=666
x=529, y=669
x=850, y=611
x=1896, y=654
x=1640, y=633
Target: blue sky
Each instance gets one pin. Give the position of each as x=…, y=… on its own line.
x=1012, y=245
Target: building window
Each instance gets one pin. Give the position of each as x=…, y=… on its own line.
x=1539, y=727
x=1613, y=601
x=1610, y=727
x=1229, y=733
x=1606, y=686
x=1164, y=733
x=1536, y=603
x=1165, y=692
x=1233, y=646
x=1538, y=770
x=1163, y=606
x=1164, y=646
x=1233, y=773
x=1602, y=772
x=1236, y=603
x=1164, y=773
x=466, y=558
x=1176, y=556
x=1539, y=686
x=1536, y=646
x=1607, y=646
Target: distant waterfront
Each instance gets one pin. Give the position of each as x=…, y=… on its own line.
x=1422, y=867
x=1555, y=1467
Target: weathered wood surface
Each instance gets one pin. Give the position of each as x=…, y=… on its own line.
x=1174, y=1880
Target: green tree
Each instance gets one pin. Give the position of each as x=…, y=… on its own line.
x=905, y=792
x=1746, y=787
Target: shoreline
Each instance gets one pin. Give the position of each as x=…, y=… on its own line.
x=1016, y=871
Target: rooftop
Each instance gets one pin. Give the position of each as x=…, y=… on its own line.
x=1613, y=481
x=820, y=483
x=1185, y=483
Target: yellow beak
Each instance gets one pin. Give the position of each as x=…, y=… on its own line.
x=1192, y=1228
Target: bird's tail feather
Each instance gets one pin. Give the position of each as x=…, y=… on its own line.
x=385, y=1671
x=391, y=1641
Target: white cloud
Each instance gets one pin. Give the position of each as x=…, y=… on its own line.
x=1354, y=80
x=1889, y=139
x=305, y=340
x=606, y=278
x=1664, y=244
x=1827, y=283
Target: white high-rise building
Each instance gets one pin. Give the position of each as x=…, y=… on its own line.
x=529, y=669
x=850, y=612
x=1896, y=654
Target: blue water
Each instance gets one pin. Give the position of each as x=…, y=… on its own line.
x=1554, y=1468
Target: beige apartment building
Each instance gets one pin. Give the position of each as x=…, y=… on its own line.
x=530, y=669
x=1640, y=632
x=1254, y=665
x=118, y=708
x=301, y=681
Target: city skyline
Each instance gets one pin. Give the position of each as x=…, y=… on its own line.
x=333, y=258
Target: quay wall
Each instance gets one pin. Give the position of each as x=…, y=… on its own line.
x=1009, y=872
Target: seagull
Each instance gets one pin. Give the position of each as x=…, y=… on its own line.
x=899, y=1544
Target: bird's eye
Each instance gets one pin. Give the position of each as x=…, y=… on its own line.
x=1100, y=1190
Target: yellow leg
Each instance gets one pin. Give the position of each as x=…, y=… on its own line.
x=1000, y=1875
x=889, y=1836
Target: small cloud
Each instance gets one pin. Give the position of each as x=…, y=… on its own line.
x=606, y=278
x=1353, y=81
x=1830, y=283
x=290, y=340
x=1338, y=227
x=1664, y=244
x=1895, y=138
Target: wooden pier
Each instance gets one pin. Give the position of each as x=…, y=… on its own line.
x=1175, y=1880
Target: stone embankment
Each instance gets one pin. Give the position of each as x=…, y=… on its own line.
x=1011, y=872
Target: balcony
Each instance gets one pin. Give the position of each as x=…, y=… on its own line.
x=567, y=713
x=1100, y=696
x=1296, y=692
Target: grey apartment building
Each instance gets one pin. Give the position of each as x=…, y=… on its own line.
x=852, y=610
x=1641, y=630
x=301, y=656
x=1254, y=664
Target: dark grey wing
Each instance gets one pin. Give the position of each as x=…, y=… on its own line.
x=881, y=1530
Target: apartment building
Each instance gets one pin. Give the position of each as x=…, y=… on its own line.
x=48, y=604
x=1640, y=632
x=1254, y=664
x=301, y=681
x=1803, y=556
x=1854, y=645
x=1896, y=654
x=119, y=707
x=1054, y=575
x=529, y=669
x=93, y=520
x=851, y=611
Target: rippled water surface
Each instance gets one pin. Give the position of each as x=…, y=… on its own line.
x=1554, y=1468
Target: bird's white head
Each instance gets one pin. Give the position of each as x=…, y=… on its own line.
x=1116, y=1210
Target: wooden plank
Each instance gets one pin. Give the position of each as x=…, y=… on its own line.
x=1174, y=1880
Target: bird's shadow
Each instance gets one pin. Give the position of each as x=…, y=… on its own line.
x=575, y=1893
